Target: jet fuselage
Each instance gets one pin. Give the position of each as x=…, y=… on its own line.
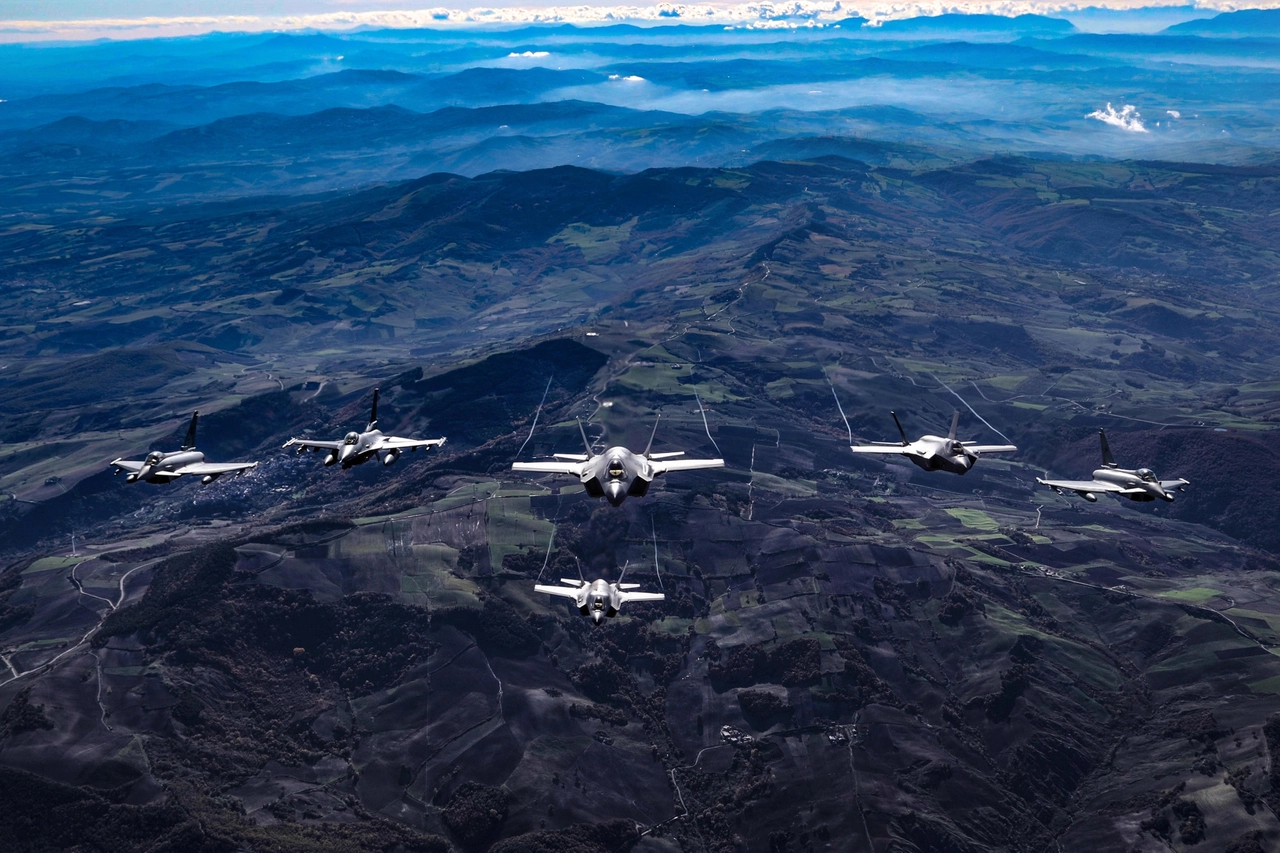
x=1142, y=478
x=357, y=449
x=616, y=475
x=599, y=600
x=160, y=463
x=935, y=453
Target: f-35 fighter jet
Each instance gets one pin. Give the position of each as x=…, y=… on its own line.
x=1139, y=484
x=161, y=467
x=599, y=598
x=356, y=448
x=934, y=453
x=617, y=473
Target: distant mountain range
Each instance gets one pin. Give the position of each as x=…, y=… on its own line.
x=1242, y=24
x=618, y=98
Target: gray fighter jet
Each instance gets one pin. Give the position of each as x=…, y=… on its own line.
x=1139, y=484
x=356, y=448
x=161, y=467
x=617, y=473
x=934, y=453
x=599, y=598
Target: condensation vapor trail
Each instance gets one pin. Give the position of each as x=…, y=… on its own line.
x=838, y=406
x=536, y=414
x=656, y=568
x=970, y=408
x=703, y=412
x=547, y=558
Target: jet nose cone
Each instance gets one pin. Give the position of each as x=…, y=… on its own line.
x=597, y=616
x=615, y=493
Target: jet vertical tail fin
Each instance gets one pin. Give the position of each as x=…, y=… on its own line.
x=585, y=442
x=189, y=442
x=1108, y=460
x=902, y=432
x=373, y=415
x=955, y=422
x=649, y=446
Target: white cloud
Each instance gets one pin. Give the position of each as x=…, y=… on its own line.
x=1126, y=118
x=762, y=15
x=1174, y=113
x=529, y=54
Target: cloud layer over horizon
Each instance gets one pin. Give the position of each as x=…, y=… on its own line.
x=762, y=15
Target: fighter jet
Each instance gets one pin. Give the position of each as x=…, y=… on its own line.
x=599, y=598
x=356, y=448
x=617, y=473
x=934, y=453
x=160, y=467
x=1140, y=484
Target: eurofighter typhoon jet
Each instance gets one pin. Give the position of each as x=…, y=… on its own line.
x=934, y=453
x=617, y=473
x=161, y=467
x=1139, y=484
x=599, y=598
x=356, y=448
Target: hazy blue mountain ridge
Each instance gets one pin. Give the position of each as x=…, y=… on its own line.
x=1242, y=23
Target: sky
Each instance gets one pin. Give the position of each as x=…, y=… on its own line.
x=70, y=20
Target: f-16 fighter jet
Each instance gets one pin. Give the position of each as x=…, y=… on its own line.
x=166, y=467
x=934, y=453
x=598, y=598
x=356, y=448
x=1140, y=484
x=617, y=473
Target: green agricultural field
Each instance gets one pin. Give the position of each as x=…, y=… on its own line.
x=510, y=528
x=1194, y=595
x=974, y=519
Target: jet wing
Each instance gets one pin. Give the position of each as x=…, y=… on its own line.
x=625, y=596
x=897, y=449
x=574, y=468
x=562, y=591
x=391, y=442
x=662, y=466
x=991, y=448
x=1086, y=486
x=313, y=445
x=203, y=468
x=126, y=465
